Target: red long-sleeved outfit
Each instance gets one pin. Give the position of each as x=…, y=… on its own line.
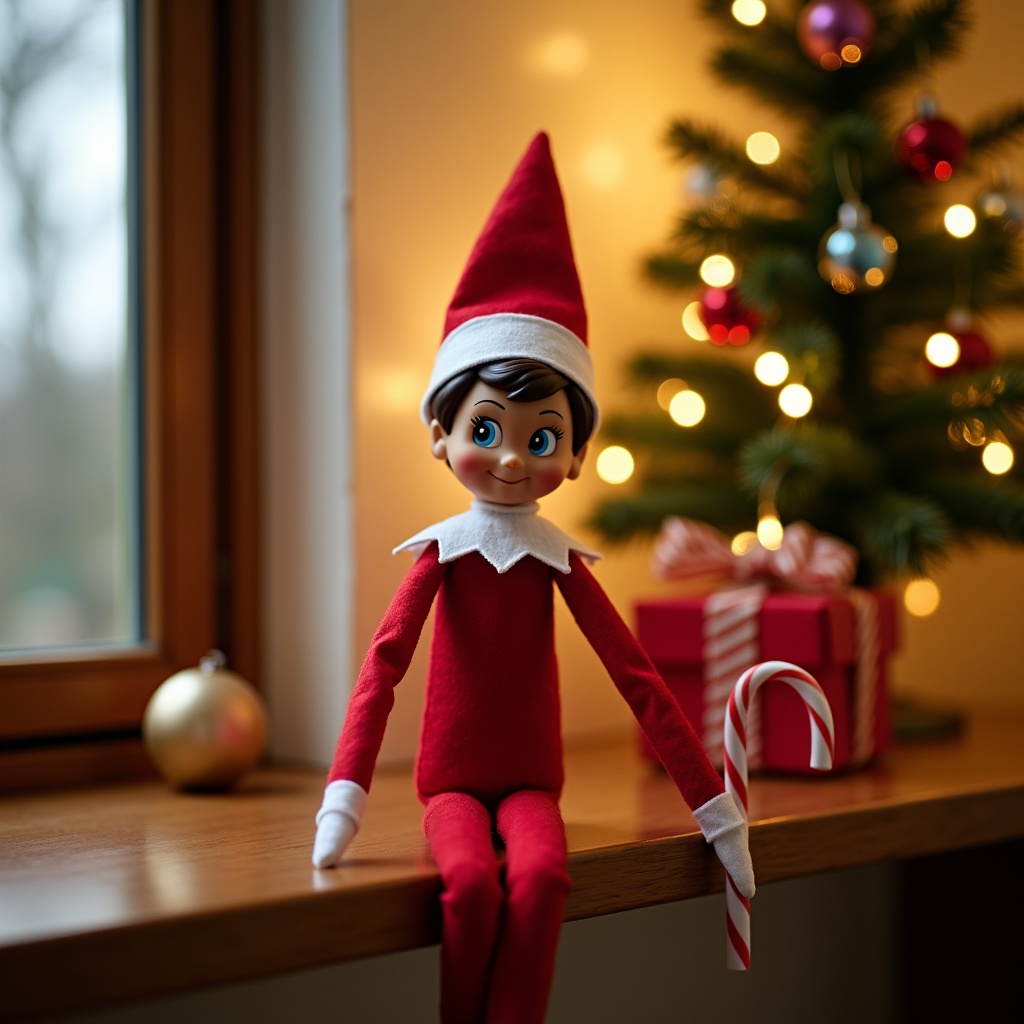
x=491, y=750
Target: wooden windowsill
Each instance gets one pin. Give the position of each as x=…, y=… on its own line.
x=124, y=892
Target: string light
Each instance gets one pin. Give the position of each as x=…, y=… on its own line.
x=668, y=390
x=763, y=148
x=795, y=400
x=960, y=220
x=942, y=349
x=749, y=12
x=686, y=408
x=769, y=531
x=743, y=542
x=771, y=368
x=997, y=457
x=692, y=323
x=921, y=597
x=615, y=464
x=717, y=271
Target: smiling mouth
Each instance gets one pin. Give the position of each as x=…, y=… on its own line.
x=500, y=481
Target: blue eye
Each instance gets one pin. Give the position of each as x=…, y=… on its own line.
x=543, y=442
x=486, y=432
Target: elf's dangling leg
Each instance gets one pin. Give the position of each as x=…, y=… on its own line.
x=537, y=885
x=458, y=829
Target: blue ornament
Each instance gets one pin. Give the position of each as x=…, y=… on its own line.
x=856, y=255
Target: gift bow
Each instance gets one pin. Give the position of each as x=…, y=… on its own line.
x=806, y=560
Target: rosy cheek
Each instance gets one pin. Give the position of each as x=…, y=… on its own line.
x=549, y=477
x=468, y=462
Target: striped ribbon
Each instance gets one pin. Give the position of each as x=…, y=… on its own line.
x=732, y=643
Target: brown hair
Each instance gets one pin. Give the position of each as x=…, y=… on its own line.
x=522, y=380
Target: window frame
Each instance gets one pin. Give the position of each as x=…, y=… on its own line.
x=75, y=715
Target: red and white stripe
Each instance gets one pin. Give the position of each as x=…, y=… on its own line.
x=732, y=643
x=822, y=746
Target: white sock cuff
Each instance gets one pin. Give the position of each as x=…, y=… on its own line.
x=718, y=816
x=344, y=797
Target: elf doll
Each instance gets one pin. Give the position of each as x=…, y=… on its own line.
x=510, y=408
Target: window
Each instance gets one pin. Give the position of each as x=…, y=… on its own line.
x=73, y=712
x=67, y=534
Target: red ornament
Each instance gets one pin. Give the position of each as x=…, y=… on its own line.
x=975, y=351
x=931, y=147
x=725, y=317
x=836, y=32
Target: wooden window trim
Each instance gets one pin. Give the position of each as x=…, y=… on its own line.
x=74, y=716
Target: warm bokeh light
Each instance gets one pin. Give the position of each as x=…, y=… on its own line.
x=851, y=53
x=997, y=457
x=771, y=368
x=795, y=400
x=603, y=165
x=686, y=408
x=615, y=464
x=749, y=12
x=692, y=323
x=717, y=271
x=565, y=54
x=960, y=220
x=921, y=597
x=769, y=532
x=743, y=542
x=942, y=349
x=763, y=148
x=668, y=390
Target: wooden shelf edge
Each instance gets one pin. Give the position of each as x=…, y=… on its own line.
x=346, y=923
x=210, y=890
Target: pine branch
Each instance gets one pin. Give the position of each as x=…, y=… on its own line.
x=980, y=504
x=702, y=373
x=669, y=271
x=728, y=158
x=663, y=438
x=900, y=533
x=856, y=138
x=812, y=351
x=801, y=461
x=620, y=519
x=912, y=43
x=738, y=231
x=783, y=279
x=994, y=397
x=794, y=86
x=992, y=132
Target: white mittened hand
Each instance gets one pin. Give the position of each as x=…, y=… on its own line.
x=337, y=821
x=724, y=826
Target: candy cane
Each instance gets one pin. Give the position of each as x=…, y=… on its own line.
x=822, y=743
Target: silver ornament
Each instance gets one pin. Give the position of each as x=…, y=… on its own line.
x=1004, y=206
x=856, y=255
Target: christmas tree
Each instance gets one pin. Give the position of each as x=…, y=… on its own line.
x=877, y=409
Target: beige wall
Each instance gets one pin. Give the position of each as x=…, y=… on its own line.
x=445, y=97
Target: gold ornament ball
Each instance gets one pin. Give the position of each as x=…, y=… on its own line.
x=205, y=727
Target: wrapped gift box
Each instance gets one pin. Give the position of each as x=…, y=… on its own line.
x=818, y=633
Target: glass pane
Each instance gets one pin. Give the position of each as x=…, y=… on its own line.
x=68, y=508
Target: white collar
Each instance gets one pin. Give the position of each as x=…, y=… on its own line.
x=503, y=534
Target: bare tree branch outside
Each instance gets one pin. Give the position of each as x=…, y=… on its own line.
x=66, y=486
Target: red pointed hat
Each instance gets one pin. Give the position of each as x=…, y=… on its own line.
x=519, y=296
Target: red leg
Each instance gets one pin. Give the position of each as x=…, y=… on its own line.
x=458, y=828
x=537, y=884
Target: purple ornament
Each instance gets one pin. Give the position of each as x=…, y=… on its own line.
x=836, y=32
